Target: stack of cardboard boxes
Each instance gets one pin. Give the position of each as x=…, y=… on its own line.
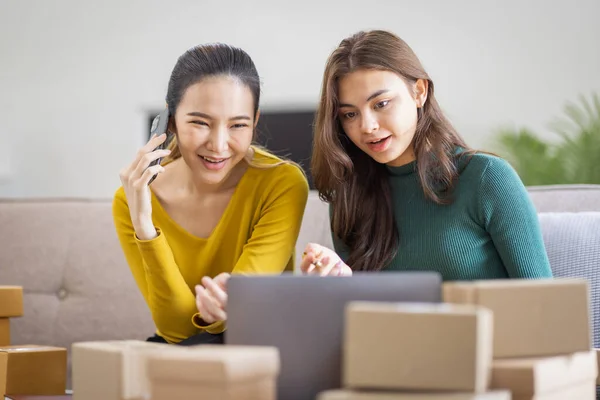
x=134, y=370
x=489, y=340
x=112, y=370
x=404, y=351
x=11, y=306
x=542, y=336
x=215, y=372
x=27, y=369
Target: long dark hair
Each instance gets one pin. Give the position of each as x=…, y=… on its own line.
x=358, y=187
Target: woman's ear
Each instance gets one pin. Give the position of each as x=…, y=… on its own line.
x=421, y=90
x=256, y=117
x=171, y=127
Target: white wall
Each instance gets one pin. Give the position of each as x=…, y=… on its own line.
x=77, y=78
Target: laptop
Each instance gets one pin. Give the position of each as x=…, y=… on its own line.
x=303, y=316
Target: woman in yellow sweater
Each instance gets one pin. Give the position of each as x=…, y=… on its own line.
x=218, y=205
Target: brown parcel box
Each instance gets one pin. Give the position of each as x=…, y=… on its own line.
x=582, y=391
x=434, y=347
x=360, y=395
x=224, y=372
x=544, y=375
x=532, y=317
x=4, y=332
x=11, y=301
x=112, y=370
x=33, y=370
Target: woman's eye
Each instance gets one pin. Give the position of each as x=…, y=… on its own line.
x=238, y=126
x=382, y=104
x=349, y=115
x=199, y=123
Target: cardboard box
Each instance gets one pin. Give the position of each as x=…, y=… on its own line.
x=3, y=373
x=582, y=391
x=11, y=301
x=112, y=370
x=33, y=370
x=411, y=346
x=224, y=372
x=4, y=332
x=356, y=395
x=261, y=390
x=532, y=317
x=537, y=376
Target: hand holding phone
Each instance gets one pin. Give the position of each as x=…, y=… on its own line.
x=159, y=126
x=136, y=178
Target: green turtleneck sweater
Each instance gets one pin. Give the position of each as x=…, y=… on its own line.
x=490, y=231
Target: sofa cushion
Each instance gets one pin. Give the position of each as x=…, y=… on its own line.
x=315, y=226
x=573, y=245
x=77, y=285
x=565, y=198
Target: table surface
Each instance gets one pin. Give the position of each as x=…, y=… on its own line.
x=21, y=397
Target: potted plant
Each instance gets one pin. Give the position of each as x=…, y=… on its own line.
x=573, y=159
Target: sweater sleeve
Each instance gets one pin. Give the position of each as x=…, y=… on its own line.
x=271, y=246
x=169, y=298
x=511, y=219
x=273, y=240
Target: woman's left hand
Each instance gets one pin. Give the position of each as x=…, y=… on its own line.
x=211, y=298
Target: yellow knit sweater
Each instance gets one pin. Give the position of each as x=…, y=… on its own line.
x=256, y=234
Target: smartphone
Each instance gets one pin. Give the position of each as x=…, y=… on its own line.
x=159, y=126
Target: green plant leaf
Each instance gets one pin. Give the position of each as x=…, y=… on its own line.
x=574, y=159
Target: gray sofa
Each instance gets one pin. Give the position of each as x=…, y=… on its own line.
x=78, y=287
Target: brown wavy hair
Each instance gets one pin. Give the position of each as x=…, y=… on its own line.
x=354, y=184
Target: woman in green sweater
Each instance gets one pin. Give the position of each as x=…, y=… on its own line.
x=405, y=191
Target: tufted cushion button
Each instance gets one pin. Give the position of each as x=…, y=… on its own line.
x=62, y=294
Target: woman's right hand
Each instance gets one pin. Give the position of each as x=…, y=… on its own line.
x=319, y=260
x=135, y=178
